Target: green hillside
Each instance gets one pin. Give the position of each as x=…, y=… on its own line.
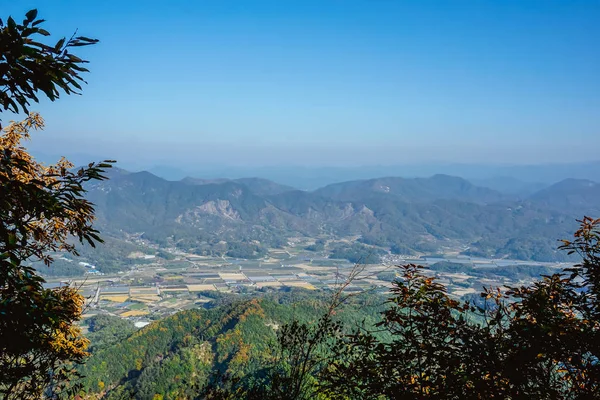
x=177, y=356
x=216, y=217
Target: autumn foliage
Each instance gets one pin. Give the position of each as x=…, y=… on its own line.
x=540, y=341
x=42, y=210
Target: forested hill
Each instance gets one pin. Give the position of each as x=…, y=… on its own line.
x=418, y=215
x=175, y=357
x=580, y=195
x=416, y=190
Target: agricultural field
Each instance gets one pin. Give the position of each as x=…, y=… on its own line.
x=153, y=290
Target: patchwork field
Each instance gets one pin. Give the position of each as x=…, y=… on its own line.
x=120, y=298
x=232, y=276
x=160, y=290
x=134, y=313
x=201, y=288
x=268, y=284
x=300, y=284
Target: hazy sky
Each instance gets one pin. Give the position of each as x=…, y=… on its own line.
x=328, y=82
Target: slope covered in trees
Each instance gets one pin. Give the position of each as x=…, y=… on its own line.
x=179, y=355
x=415, y=215
x=538, y=341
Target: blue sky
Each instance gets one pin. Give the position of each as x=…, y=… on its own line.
x=328, y=82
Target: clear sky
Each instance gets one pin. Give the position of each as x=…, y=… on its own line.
x=328, y=82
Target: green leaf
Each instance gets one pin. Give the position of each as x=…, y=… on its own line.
x=87, y=39
x=31, y=14
x=59, y=45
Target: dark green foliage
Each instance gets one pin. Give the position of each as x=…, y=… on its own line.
x=113, y=256
x=41, y=209
x=105, y=330
x=165, y=255
x=387, y=276
x=446, y=266
x=234, y=345
x=512, y=272
x=374, y=239
x=61, y=268
x=536, y=342
x=126, y=358
x=318, y=246
x=357, y=253
x=303, y=353
x=423, y=359
x=246, y=250
x=401, y=248
x=28, y=66
x=522, y=247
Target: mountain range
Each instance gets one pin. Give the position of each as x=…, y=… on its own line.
x=420, y=215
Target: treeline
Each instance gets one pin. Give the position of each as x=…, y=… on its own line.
x=512, y=272
x=538, y=341
x=178, y=356
x=357, y=253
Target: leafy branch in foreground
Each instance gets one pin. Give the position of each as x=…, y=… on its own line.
x=539, y=341
x=41, y=208
x=28, y=66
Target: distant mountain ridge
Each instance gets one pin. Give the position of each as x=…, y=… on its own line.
x=257, y=185
x=413, y=190
x=510, y=186
x=579, y=194
x=421, y=214
x=311, y=178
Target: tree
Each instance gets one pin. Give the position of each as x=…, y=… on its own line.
x=540, y=341
x=426, y=357
x=28, y=66
x=42, y=210
x=303, y=352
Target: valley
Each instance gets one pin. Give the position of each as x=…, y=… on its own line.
x=244, y=218
x=178, y=245
x=299, y=200
x=154, y=287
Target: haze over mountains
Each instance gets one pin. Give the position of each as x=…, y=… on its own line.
x=507, y=178
x=419, y=215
